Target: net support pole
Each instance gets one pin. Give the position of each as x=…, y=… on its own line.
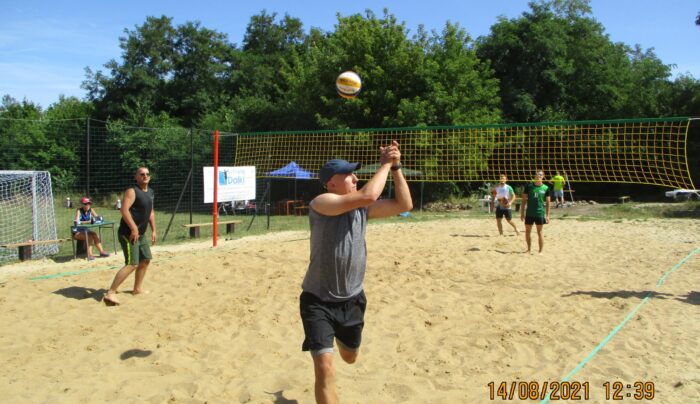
x=87, y=147
x=568, y=185
x=215, y=213
x=191, y=171
x=422, y=184
x=35, y=220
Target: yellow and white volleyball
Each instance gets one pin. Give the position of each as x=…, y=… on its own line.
x=348, y=84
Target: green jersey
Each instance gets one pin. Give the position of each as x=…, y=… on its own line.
x=558, y=182
x=536, y=196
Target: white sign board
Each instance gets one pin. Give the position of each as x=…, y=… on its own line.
x=235, y=184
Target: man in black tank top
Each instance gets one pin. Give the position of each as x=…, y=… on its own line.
x=137, y=213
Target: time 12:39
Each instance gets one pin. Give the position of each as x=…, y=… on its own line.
x=637, y=390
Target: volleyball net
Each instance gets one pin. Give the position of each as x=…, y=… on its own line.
x=638, y=151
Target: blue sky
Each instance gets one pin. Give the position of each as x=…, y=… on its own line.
x=46, y=45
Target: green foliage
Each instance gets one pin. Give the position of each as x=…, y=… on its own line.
x=556, y=63
x=553, y=62
x=182, y=71
x=437, y=191
x=29, y=143
x=158, y=151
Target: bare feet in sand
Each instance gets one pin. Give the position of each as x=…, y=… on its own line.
x=110, y=299
x=139, y=292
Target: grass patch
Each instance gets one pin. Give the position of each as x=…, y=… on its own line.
x=456, y=208
x=250, y=225
x=645, y=211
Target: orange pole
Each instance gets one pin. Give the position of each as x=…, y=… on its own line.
x=215, y=215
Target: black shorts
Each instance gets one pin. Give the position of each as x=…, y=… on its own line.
x=325, y=320
x=501, y=211
x=534, y=220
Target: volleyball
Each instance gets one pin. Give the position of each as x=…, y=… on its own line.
x=348, y=84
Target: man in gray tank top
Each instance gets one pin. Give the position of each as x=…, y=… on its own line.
x=137, y=213
x=333, y=302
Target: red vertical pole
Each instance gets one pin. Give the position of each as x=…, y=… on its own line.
x=215, y=215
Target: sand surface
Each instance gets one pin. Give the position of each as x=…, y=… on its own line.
x=452, y=307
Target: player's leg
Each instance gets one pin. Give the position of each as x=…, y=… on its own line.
x=145, y=257
x=348, y=355
x=499, y=217
x=529, y=221
x=540, y=236
x=324, y=384
x=139, y=277
x=509, y=219
x=131, y=260
x=119, y=278
x=317, y=317
x=351, y=321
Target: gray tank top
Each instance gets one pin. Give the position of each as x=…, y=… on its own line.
x=338, y=255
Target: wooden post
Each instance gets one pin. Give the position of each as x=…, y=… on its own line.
x=25, y=252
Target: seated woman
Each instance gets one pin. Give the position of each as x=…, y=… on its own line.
x=85, y=214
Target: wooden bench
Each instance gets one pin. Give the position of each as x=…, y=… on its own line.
x=25, y=249
x=194, y=227
x=624, y=199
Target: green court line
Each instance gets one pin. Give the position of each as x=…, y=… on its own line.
x=619, y=326
x=69, y=273
x=62, y=274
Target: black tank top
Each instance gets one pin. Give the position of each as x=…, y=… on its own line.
x=140, y=211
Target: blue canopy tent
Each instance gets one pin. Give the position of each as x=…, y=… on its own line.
x=293, y=171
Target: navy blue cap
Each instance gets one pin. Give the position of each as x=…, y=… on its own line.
x=334, y=167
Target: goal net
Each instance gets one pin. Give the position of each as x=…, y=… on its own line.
x=26, y=212
x=638, y=151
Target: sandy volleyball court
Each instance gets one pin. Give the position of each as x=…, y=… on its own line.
x=452, y=307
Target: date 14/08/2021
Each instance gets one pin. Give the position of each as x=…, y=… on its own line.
x=569, y=390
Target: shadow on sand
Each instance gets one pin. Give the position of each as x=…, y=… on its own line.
x=280, y=399
x=135, y=353
x=81, y=293
x=625, y=294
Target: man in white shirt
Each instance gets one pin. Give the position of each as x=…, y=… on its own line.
x=503, y=200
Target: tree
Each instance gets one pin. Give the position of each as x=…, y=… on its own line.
x=183, y=71
x=20, y=136
x=557, y=63
x=50, y=141
x=430, y=80
x=203, y=73
x=458, y=88
x=139, y=81
x=67, y=147
x=263, y=98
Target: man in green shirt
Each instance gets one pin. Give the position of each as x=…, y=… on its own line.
x=535, y=209
x=558, y=181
